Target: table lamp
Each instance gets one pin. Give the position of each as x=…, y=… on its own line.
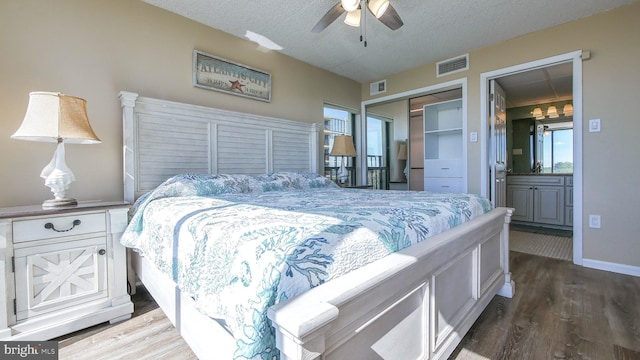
x=343, y=146
x=59, y=118
x=402, y=155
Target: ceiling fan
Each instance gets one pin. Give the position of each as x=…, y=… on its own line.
x=381, y=9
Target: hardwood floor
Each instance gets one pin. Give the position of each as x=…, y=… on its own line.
x=560, y=311
x=147, y=335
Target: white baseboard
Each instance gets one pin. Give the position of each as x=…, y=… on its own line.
x=613, y=267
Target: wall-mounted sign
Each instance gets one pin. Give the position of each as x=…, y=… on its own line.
x=214, y=73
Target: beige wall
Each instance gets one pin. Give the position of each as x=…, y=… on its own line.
x=611, y=81
x=94, y=49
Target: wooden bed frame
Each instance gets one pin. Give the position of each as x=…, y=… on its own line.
x=417, y=303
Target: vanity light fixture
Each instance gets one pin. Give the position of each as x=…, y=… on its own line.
x=537, y=113
x=567, y=110
x=552, y=112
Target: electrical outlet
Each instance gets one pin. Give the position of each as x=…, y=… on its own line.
x=594, y=221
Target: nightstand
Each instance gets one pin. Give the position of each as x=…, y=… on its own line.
x=62, y=269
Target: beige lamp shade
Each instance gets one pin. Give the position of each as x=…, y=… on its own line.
x=343, y=146
x=552, y=112
x=54, y=116
x=402, y=152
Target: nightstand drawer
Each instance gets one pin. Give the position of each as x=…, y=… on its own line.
x=52, y=227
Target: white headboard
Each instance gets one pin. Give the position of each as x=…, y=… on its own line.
x=164, y=138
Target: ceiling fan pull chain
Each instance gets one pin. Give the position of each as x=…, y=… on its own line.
x=364, y=23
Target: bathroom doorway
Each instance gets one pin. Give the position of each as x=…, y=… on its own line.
x=528, y=76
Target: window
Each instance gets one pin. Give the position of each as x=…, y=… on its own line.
x=558, y=151
x=337, y=121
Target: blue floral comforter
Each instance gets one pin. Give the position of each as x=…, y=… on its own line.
x=238, y=244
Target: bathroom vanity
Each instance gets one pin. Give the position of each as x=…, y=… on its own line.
x=541, y=199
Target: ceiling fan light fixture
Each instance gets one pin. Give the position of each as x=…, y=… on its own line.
x=350, y=5
x=378, y=7
x=353, y=18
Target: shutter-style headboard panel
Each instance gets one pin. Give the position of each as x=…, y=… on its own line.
x=164, y=138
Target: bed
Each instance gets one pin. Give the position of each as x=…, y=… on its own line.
x=410, y=290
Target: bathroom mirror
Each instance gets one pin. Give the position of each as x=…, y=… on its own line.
x=541, y=146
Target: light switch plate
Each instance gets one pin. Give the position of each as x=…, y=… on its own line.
x=594, y=125
x=473, y=137
x=594, y=221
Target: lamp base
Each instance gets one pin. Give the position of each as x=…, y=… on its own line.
x=56, y=203
x=343, y=174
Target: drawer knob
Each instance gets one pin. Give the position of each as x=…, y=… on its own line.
x=49, y=225
x=102, y=251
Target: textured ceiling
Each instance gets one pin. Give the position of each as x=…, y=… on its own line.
x=539, y=86
x=432, y=31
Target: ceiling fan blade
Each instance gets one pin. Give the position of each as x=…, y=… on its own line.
x=328, y=18
x=391, y=18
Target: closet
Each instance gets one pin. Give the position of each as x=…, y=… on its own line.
x=436, y=148
x=443, y=170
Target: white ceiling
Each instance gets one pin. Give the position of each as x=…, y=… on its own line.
x=539, y=86
x=432, y=31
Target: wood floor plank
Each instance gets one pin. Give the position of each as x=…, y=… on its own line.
x=559, y=311
x=620, y=353
x=623, y=312
x=147, y=335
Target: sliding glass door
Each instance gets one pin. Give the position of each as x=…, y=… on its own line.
x=378, y=152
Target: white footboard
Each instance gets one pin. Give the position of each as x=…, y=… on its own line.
x=414, y=304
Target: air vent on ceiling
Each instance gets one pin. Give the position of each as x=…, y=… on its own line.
x=453, y=65
x=378, y=87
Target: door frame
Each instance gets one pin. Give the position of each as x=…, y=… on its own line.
x=576, y=58
x=361, y=145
